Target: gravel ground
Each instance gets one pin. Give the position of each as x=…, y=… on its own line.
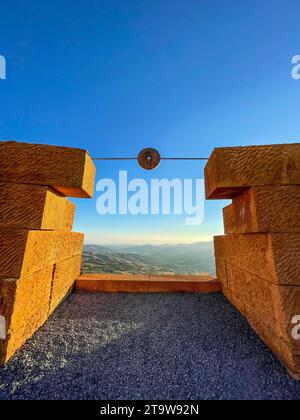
x=146, y=346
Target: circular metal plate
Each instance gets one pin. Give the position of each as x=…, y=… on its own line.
x=149, y=159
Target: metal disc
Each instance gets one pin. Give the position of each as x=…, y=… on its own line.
x=149, y=159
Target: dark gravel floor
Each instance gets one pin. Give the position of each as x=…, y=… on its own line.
x=138, y=346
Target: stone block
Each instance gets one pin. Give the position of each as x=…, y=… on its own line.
x=264, y=209
x=289, y=355
x=24, y=307
x=65, y=273
x=23, y=252
x=268, y=307
x=274, y=304
x=69, y=171
x=231, y=170
x=33, y=207
x=270, y=256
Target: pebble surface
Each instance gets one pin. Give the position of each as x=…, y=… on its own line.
x=146, y=346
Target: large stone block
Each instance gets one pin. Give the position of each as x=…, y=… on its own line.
x=64, y=275
x=69, y=171
x=289, y=355
x=147, y=283
x=26, y=303
x=24, y=307
x=231, y=170
x=270, y=256
x=33, y=207
x=269, y=308
x=276, y=305
x=23, y=252
x=264, y=209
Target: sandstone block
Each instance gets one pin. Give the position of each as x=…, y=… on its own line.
x=64, y=275
x=69, y=171
x=274, y=257
x=231, y=170
x=280, y=341
x=149, y=284
x=275, y=305
x=113, y=283
x=264, y=209
x=23, y=252
x=24, y=307
x=33, y=207
x=289, y=355
x=187, y=284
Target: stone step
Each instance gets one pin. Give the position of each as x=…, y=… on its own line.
x=231, y=170
x=69, y=171
x=34, y=207
x=147, y=284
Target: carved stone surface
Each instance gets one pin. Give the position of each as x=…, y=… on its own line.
x=33, y=207
x=271, y=256
x=264, y=209
x=231, y=170
x=258, y=261
x=69, y=171
x=64, y=275
x=24, y=252
x=39, y=255
x=24, y=303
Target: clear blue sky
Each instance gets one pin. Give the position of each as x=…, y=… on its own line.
x=181, y=76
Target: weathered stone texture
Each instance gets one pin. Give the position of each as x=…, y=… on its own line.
x=276, y=305
x=24, y=252
x=149, y=284
x=287, y=353
x=40, y=257
x=269, y=308
x=264, y=209
x=231, y=170
x=34, y=207
x=271, y=256
x=258, y=260
x=68, y=170
x=64, y=276
x=24, y=303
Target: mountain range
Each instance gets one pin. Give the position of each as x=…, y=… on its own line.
x=196, y=258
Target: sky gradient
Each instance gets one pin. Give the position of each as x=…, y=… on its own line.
x=184, y=77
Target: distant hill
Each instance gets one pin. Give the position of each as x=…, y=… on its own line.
x=196, y=258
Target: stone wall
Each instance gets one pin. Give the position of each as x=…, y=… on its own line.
x=40, y=256
x=258, y=260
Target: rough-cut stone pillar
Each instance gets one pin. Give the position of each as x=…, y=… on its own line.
x=258, y=261
x=40, y=257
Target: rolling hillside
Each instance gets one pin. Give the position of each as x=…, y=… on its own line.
x=150, y=259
